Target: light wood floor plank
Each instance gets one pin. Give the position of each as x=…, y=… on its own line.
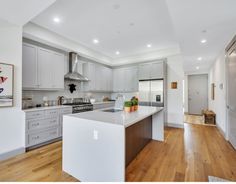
x=190, y=154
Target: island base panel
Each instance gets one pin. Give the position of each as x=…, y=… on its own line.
x=137, y=137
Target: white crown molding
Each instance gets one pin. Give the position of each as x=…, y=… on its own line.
x=150, y=56
x=40, y=34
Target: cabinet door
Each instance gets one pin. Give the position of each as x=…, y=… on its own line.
x=109, y=79
x=157, y=70
x=99, y=81
x=45, y=69
x=58, y=70
x=134, y=79
x=144, y=71
x=119, y=80
x=131, y=79
x=29, y=67
x=89, y=72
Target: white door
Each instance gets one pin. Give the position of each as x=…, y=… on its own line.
x=197, y=93
x=231, y=96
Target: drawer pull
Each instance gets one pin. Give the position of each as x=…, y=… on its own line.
x=36, y=124
x=37, y=137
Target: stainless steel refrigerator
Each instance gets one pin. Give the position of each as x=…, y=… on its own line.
x=151, y=92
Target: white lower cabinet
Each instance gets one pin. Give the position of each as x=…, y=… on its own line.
x=44, y=126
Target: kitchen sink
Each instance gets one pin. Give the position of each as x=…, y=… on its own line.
x=112, y=110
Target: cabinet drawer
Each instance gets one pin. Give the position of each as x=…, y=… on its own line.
x=39, y=124
x=43, y=136
x=35, y=115
x=51, y=113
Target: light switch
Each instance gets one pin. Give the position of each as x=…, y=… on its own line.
x=95, y=134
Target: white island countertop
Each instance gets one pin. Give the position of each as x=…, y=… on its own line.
x=119, y=118
x=97, y=144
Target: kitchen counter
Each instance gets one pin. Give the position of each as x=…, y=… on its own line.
x=118, y=118
x=46, y=108
x=98, y=145
x=106, y=102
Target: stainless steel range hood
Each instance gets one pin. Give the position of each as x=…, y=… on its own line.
x=73, y=74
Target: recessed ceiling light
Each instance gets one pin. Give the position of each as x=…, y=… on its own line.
x=199, y=59
x=95, y=41
x=203, y=41
x=197, y=67
x=56, y=19
x=117, y=52
x=149, y=45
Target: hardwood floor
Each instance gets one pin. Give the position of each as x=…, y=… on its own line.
x=190, y=154
x=194, y=119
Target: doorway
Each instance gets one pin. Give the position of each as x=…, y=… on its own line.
x=197, y=93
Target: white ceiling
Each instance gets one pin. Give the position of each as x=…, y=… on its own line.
x=129, y=25
x=191, y=17
x=19, y=12
x=123, y=25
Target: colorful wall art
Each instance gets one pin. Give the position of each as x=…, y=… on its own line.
x=6, y=85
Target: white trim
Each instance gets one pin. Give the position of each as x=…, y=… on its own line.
x=174, y=125
x=221, y=131
x=40, y=34
x=12, y=153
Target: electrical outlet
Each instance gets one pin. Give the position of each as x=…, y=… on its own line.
x=95, y=134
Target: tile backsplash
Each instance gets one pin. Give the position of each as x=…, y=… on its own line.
x=37, y=95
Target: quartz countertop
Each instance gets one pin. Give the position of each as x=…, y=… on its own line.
x=118, y=118
x=46, y=108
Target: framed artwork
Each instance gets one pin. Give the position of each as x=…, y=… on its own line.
x=174, y=85
x=6, y=85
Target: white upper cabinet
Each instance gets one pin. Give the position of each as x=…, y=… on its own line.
x=125, y=79
x=151, y=71
x=42, y=68
x=58, y=70
x=144, y=71
x=157, y=70
x=100, y=77
x=29, y=66
x=45, y=69
x=118, y=80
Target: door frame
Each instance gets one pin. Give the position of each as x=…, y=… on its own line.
x=228, y=50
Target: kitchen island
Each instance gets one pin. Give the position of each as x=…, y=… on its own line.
x=98, y=145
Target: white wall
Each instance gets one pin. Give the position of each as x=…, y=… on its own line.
x=217, y=76
x=175, y=96
x=186, y=93
x=11, y=122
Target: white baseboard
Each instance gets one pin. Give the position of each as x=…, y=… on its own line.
x=12, y=153
x=174, y=125
x=221, y=131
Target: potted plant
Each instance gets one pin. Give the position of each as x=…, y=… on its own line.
x=128, y=106
x=135, y=103
x=132, y=107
